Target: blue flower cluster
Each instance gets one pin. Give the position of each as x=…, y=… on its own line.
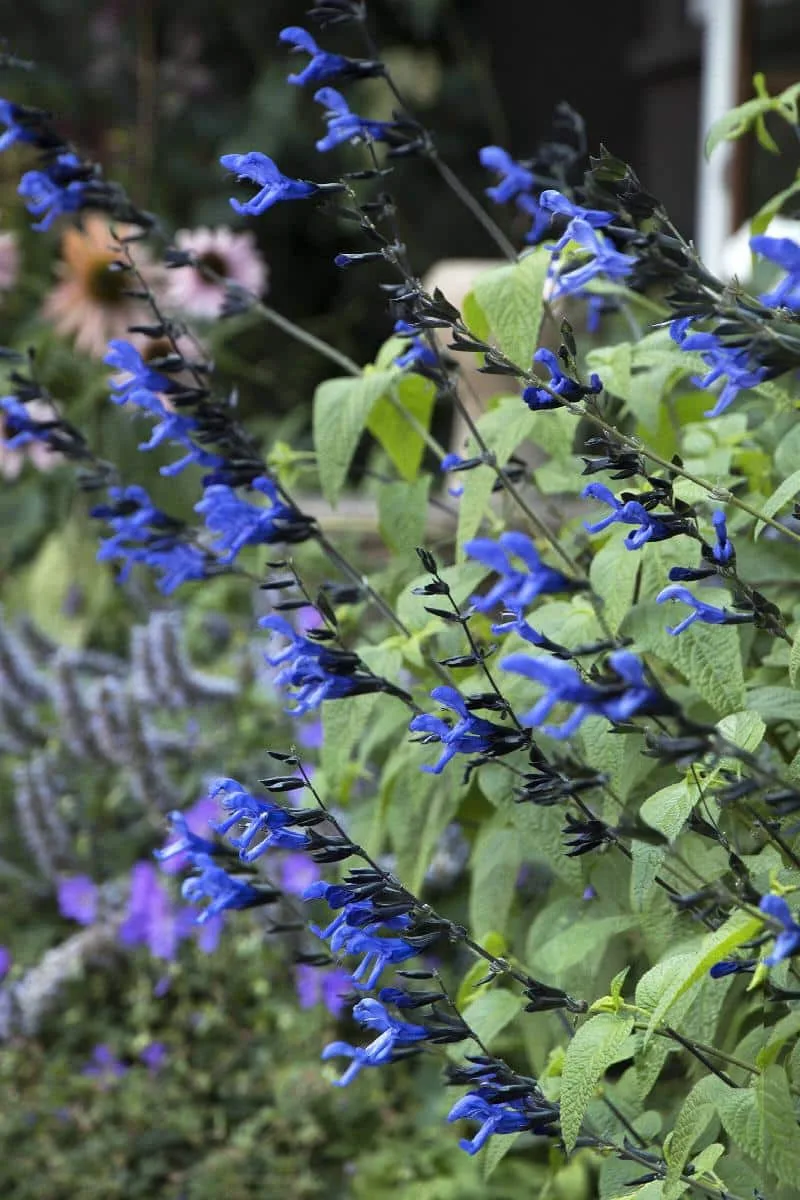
x=144, y=534
x=731, y=363
x=501, y=1102
x=624, y=694
x=469, y=735
x=539, y=399
x=650, y=527
x=515, y=589
x=315, y=672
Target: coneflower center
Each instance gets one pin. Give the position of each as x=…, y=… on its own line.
x=211, y=264
x=105, y=285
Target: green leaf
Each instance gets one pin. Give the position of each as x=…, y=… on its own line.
x=511, y=299
x=343, y=725
x=496, y=1149
x=645, y=865
x=496, y=859
x=698, y=1109
x=794, y=659
x=688, y=968
x=591, y=1051
x=761, y=1120
x=503, y=429
x=390, y=428
x=744, y=729
x=779, y=1035
x=775, y=704
x=733, y=124
x=469, y=987
x=569, y=947
x=782, y=495
x=342, y=408
x=402, y=513
x=490, y=1012
x=669, y=808
x=772, y=207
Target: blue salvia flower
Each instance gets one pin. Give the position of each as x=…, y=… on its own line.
x=515, y=181
x=241, y=524
x=701, y=611
x=18, y=129
x=314, y=672
x=377, y=952
x=454, y=462
x=257, y=168
x=418, y=354
x=186, y=841
x=555, y=202
x=784, y=253
x=20, y=427
x=732, y=966
x=617, y=701
x=515, y=589
x=470, y=734
x=347, y=126
x=494, y=1113
x=360, y=928
x=122, y=356
x=787, y=943
x=731, y=363
x=603, y=259
x=540, y=218
x=392, y=1034
x=53, y=191
x=223, y=891
x=323, y=66
x=144, y=534
x=652, y=527
x=722, y=551
x=266, y=825
x=539, y=399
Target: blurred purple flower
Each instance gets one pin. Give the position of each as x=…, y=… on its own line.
x=77, y=899
x=151, y=919
x=297, y=873
x=5, y=961
x=154, y=1056
x=197, y=818
x=104, y=1065
x=315, y=986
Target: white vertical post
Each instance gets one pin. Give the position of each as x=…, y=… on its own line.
x=722, y=32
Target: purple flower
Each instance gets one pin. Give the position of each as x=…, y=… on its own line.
x=5, y=961
x=539, y=398
x=315, y=986
x=652, y=527
x=241, y=524
x=347, y=126
x=469, y=735
x=151, y=918
x=787, y=943
x=55, y=190
x=77, y=899
x=515, y=589
x=515, y=179
x=188, y=829
x=104, y=1065
x=298, y=872
x=784, y=253
x=154, y=1056
x=603, y=259
x=258, y=169
x=701, y=611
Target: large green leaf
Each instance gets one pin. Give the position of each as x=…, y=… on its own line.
x=496, y=859
x=668, y=809
x=402, y=512
x=762, y=1121
x=782, y=495
x=688, y=968
x=342, y=408
x=511, y=299
x=592, y=1050
x=698, y=1109
x=405, y=446
x=490, y=1012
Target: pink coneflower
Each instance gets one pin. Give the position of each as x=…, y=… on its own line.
x=43, y=459
x=219, y=253
x=90, y=301
x=9, y=261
